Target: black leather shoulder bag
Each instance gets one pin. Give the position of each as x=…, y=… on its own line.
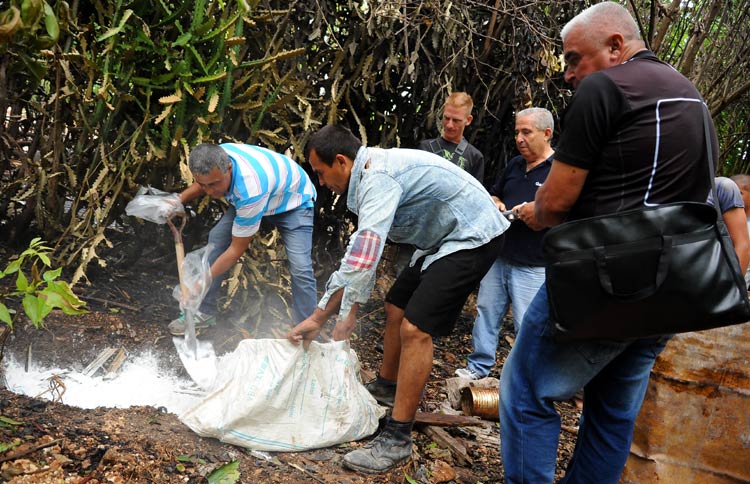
x=650, y=271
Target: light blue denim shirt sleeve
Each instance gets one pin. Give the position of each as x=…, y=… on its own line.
x=411, y=197
x=378, y=199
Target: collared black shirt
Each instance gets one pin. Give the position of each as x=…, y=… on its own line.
x=513, y=186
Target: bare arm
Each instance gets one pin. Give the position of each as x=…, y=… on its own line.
x=191, y=192
x=230, y=256
x=735, y=221
x=558, y=193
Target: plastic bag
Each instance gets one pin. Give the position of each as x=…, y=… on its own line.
x=272, y=395
x=196, y=277
x=154, y=205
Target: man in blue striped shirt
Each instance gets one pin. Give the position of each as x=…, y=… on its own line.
x=258, y=184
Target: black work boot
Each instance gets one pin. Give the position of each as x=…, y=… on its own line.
x=384, y=391
x=388, y=450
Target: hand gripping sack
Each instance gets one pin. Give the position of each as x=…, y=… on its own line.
x=645, y=272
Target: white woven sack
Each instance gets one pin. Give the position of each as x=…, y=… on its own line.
x=274, y=396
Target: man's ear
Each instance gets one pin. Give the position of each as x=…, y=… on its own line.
x=616, y=43
x=469, y=118
x=340, y=159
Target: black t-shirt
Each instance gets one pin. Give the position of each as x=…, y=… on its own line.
x=471, y=160
x=513, y=186
x=638, y=129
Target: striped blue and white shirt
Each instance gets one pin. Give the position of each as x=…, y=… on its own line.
x=264, y=183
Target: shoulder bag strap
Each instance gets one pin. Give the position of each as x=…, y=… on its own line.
x=435, y=146
x=710, y=156
x=461, y=147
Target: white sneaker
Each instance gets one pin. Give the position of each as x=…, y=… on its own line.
x=467, y=373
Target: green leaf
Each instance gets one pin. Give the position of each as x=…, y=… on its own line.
x=211, y=78
x=36, y=69
x=50, y=276
x=116, y=30
x=182, y=40
x=50, y=22
x=222, y=28
x=6, y=446
x=205, y=27
x=14, y=266
x=58, y=294
x=40, y=247
x=5, y=315
x=43, y=257
x=36, y=308
x=409, y=479
x=9, y=420
x=227, y=474
x=29, y=12
x=28, y=252
x=198, y=57
x=22, y=284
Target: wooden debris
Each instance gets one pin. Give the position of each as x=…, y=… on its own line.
x=27, y=364
x=486, y=436
x=109, y=302
x=29, y=450
x=105, y=355
x=443, y=420
x=4, y=332
x=115, y=365
x=443, y=439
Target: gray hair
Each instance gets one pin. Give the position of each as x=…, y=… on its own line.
x=542, y=118
x=604, y=18
x=206, y=156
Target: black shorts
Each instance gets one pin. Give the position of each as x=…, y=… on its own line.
x=432, y=300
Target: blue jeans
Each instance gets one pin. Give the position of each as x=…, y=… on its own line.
x=539, y=371
x=504, y=283
x=296, y=227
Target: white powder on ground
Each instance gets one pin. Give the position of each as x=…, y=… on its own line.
x=140, y=381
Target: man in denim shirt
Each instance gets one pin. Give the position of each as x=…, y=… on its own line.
x=411, y=197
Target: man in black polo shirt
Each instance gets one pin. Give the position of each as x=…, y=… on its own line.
x=632, y=136
x=518, y=272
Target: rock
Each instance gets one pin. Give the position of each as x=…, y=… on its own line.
x=441, y=472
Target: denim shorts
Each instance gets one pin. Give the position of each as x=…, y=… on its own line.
x=433, y=299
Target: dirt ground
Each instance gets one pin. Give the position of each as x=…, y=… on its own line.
x=42, y=441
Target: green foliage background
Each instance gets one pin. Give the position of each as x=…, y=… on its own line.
x=97, y=98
